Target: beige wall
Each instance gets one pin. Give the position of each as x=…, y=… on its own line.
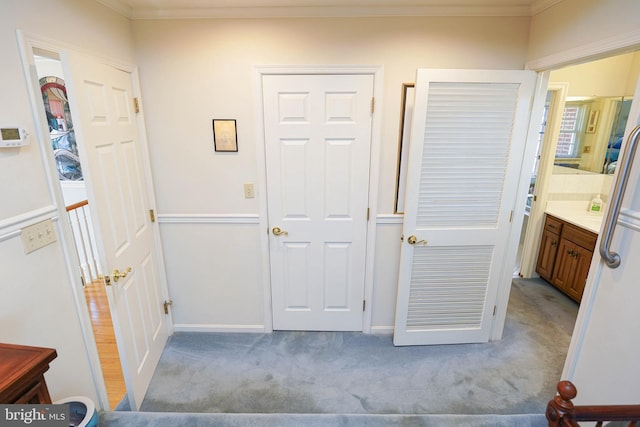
x=37, y=304
x=196, y=70
x=573, y=30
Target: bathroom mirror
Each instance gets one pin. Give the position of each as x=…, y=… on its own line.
x=595, y=113
x=591, y=135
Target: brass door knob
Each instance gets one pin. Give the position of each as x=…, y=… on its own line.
x=117, y=275
x=413, y=240
x=277, y=231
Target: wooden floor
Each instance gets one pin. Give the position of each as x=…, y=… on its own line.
x=106, y=341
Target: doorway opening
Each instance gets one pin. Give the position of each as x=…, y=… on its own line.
x=64, y=151
x=585, y=114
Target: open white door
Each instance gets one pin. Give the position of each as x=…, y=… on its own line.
x=467, y=142
x=101, y=101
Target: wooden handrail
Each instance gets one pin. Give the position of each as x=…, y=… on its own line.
x=77, y=205
x=561, y=412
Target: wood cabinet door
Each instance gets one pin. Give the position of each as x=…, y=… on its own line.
x=564, y=269
x=547, y=254
x=575, y=287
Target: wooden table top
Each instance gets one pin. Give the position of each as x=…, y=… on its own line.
x=19, y=362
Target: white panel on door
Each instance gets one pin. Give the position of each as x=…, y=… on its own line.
x=336, y=276
x=296, y=268
x=108, y=165
x=337, y=188
x=96, y=102
x=466, y=149
x=136, y=192
x=448, y=287
x=153, y=312
x=131, y=293
x=121, y=99
x=340, y=107
x=294, y=155
x=293, y=107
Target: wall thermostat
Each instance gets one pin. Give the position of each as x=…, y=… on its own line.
x=13, y=136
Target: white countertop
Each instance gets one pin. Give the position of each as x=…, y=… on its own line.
x=576, y=214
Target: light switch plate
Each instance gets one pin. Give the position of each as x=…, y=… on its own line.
x=38, y=235
x=249, y=192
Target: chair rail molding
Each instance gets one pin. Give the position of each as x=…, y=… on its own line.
x=183, y=218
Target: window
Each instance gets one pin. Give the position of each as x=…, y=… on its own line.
x=571, y=130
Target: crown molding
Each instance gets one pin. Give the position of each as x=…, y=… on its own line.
x=487, y=9
x=118, y=6
x=538, y=6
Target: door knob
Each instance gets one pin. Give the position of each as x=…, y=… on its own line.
x=277, y=231
x=117, y=275
x=413, y=240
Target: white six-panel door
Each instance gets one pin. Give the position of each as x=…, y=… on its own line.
x=101, y=101
x=318, y=139
x=467, y=141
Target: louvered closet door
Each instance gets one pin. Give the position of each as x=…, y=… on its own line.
x=467, y=142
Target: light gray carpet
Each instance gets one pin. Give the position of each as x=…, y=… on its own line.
x=165, y=419
x=353, y=373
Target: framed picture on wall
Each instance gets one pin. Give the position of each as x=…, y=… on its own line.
x=225, y=136
x=592, y=123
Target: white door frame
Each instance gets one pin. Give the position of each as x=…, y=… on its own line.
x=27, y=43
x=374, y=173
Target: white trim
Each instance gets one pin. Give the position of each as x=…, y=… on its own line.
x=118, y=6
x=205, y=327
x=27, y=42
x=15, y=230
x=538, y=6
x=390, y=219
x=630, y=219
x=536, y=109
x=18, y=222
x=178, y=218
x=382, y=330
x=596, y=50
x=374, y=171
x=319, y=11
x=545, y=170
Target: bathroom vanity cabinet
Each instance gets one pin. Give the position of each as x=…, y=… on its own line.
x=565, y=256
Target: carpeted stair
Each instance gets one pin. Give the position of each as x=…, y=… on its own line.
x=172, y=419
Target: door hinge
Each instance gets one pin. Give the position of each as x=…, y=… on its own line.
x=511, y=216
x=495, y=310
x=152, y=215
x=364, y=304
x=136, y=105
x=373, y=104
x=368, y=211
x=166, y=306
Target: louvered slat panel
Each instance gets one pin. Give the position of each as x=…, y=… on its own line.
x=466, y=148
x=448, y=287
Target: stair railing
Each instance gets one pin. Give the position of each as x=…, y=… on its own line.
x=79, y=219
x=561, y=412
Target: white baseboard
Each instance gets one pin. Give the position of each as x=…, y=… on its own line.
x=191, y=327
x=382, y=330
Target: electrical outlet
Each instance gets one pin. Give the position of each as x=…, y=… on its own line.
x=249, y=191
x=38, y=235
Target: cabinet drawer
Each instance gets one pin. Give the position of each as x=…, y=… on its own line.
x=553, y=224
x=580, y=236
